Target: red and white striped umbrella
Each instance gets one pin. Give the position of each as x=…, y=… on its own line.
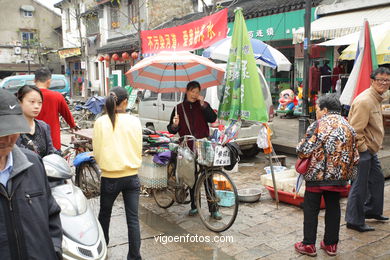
x=171, y=71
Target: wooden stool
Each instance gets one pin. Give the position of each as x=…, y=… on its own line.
x=279, y=158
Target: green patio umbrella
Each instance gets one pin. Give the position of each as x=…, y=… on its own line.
x=242, y=93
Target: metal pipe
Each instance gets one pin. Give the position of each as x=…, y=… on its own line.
x=303, y=120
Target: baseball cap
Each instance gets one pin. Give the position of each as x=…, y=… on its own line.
x=12, y=120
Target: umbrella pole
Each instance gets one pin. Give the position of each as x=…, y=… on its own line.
x=274, y=181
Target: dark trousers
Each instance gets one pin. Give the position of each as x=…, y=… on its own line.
x=209, y=188
x=366, y=195
x=311, y=208
x=130, y=188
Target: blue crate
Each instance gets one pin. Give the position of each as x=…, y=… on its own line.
x=227, y=198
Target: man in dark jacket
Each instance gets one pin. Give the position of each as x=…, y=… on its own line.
x=30, y=226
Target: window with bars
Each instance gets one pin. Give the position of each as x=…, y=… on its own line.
x=114, y=14
x=27, y=13
x=67, y=17
x=132, y=10
x=27, y=36
x=92, y=25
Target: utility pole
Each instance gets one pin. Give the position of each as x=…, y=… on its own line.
x=304, y=119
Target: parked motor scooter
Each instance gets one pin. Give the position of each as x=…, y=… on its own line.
x=83, y=236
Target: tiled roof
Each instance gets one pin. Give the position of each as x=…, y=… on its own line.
x=181, y=20
x=251, y=9
x=258, y=8
x=120, y=44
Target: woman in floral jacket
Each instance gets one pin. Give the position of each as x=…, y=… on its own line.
x=330, y=143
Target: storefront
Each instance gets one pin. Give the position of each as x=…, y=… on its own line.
x=116, y=59
x=334, y=23
x=277, y=31
x=74, y=70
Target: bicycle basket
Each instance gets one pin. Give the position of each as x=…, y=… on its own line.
x=152, y=175
x=205, y=152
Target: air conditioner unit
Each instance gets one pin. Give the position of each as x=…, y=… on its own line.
x=17, y=50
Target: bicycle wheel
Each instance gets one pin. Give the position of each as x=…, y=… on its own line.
x=164, y=197
x=88, y=179
x=216, y=192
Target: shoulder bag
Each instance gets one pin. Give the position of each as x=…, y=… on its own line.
x=302, y=165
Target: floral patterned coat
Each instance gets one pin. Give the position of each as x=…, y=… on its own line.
x=331, y=144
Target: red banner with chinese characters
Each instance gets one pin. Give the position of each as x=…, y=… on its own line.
x=191, y=36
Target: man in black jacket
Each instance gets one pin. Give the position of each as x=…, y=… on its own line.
x=30, y=226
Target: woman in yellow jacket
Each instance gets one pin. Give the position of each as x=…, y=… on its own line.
x=117, y=147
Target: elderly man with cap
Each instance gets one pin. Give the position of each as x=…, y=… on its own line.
x=30, y=226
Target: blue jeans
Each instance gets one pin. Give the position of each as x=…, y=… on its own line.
x=130, y=188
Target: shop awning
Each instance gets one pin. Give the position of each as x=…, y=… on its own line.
x=337, y=25
x=376, y=32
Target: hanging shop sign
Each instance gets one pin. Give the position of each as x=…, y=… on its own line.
x=66, y=53
x=191, y=36
x=274, y=27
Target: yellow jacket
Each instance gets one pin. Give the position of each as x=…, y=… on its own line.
x=118, y=151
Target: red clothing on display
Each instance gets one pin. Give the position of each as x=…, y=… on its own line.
x=336, y=72
x=314, y=79
x=53, y=105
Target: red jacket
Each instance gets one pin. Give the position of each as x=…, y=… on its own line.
x=54, y=105
x=314, y=78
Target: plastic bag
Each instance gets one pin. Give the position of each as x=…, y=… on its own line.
x=262, y=138
x=338, y=86
x=185, y=168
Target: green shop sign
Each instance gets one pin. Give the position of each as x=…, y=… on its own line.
x=275, y=27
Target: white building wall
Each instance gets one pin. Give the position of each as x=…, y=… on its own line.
x=70, y=36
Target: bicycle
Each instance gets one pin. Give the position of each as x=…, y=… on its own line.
x=87, y=172
x=213, y=188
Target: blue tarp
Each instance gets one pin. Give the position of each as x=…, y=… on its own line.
x=93, y=104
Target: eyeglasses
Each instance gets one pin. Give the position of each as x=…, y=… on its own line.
x=383, y=81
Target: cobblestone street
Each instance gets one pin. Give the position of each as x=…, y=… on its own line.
x=261, y=231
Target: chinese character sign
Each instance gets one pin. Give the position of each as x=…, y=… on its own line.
x=69, y=52
x=242, y=93
x=191, y=36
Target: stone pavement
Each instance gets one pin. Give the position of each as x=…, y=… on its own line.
x=261, y=231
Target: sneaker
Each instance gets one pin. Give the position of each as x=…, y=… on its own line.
x=192, y=212
x=216, y=215
x=329, y=249
x=309, y=250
